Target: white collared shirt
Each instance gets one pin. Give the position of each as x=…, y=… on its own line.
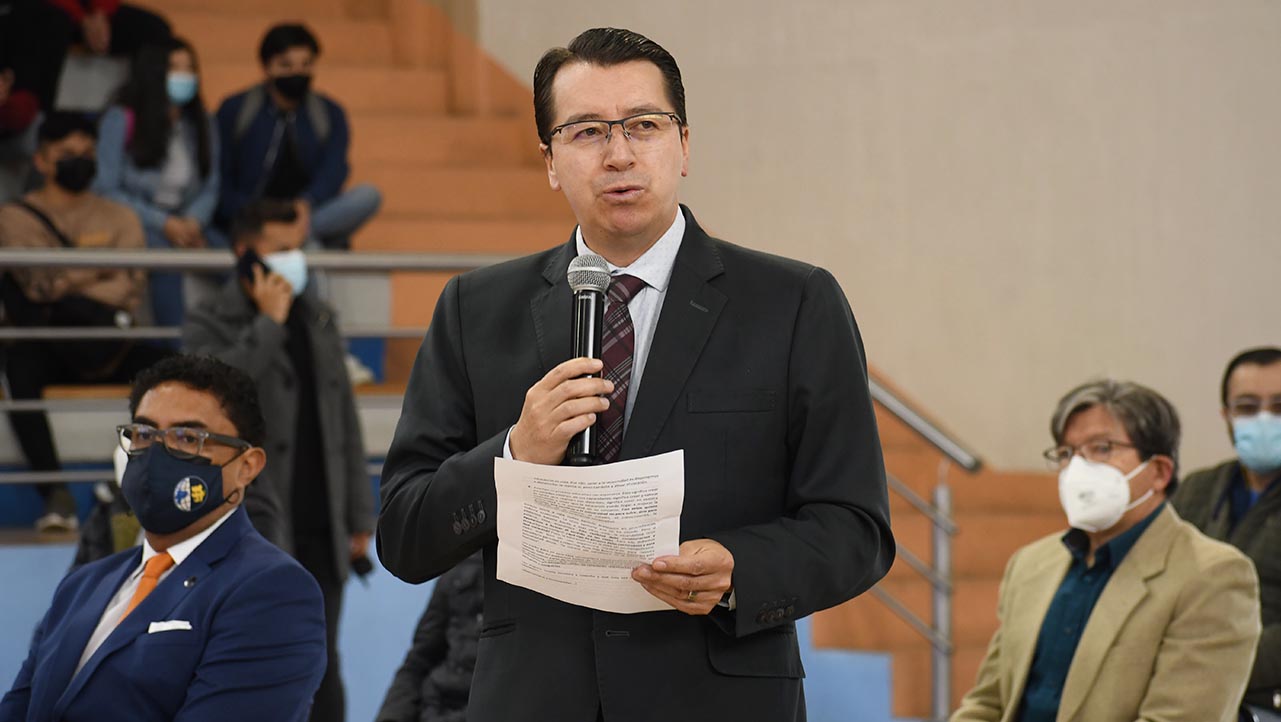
x=654, y=267
x=116, y=607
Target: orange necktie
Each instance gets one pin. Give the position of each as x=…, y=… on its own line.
x=155, y=566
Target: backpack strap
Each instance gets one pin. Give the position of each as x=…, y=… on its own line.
x=254, y=99
x=46, y=222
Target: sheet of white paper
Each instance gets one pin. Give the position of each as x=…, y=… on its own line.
x=576, y=533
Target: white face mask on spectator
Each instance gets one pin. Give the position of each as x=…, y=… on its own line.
x=1095, y=495
x=291, y=265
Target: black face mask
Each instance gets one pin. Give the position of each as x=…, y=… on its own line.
x=74, y=174
x=293, y=87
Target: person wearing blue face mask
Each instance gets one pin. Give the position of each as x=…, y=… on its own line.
x=1239, y=500
x=205, y=619
x=158, y=153
x=269, y=322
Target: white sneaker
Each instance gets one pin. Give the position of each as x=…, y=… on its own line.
x=55, y=523
x=357, y=372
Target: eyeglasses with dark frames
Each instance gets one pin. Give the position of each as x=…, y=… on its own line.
x=641, y=128
x=181, y=441
x=1097, y=450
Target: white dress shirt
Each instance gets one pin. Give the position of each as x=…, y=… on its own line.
x=654, y=267
x=116, y=607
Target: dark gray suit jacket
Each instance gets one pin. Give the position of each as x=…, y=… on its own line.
x=757, y=372
x=229, y=327
x=1202, y=500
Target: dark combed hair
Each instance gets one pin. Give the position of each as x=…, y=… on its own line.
x=284, y=36
x=60, y=124
x=146, y=95
x=248, y=223
x=1150, y=420
x=1262, y=356
x=604, y=47
x=232, y=387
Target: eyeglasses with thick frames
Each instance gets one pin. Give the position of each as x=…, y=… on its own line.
x=1098, y=450
x=642, y=128
x=181, y=441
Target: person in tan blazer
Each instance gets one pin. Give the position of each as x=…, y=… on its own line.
x=1132, y=614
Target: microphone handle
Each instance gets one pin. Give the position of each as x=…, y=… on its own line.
x=589, y=315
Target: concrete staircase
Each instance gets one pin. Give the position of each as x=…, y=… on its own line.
x=446, y=134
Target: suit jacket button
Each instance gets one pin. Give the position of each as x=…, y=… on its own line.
x=480, y=517
x=761, y=618
x=791, y=610
x=458, y=527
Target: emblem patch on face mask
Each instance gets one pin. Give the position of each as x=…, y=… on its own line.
x=189, y=493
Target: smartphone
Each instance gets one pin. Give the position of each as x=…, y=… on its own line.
x=245, y=266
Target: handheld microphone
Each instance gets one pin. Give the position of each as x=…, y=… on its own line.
x=589, y=279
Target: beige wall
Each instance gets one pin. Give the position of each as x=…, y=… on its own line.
x=1016, y=196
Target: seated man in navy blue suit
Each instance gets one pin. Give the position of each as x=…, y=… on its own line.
x=207, y=620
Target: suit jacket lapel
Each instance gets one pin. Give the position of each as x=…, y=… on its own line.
x=553, y=309
x=689, y=313
x=84, y=624
x=1127, y=587
x=161, y=602
x=1027, y=613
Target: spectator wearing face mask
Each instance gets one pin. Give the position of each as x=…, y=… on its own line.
x=158, y=153
x=1132, y=614
x=282, y=140
x=1239, y=501
x=269, y=322
x=64, y=213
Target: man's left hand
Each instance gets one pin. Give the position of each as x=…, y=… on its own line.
x=360, y=544
x=703, y=567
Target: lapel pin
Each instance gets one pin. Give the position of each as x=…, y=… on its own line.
x=189, y=583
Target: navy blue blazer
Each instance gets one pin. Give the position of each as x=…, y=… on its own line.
x=255, y=650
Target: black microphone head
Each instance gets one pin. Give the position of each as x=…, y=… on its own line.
x=588, y=272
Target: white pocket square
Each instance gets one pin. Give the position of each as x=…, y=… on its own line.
x=169, y=626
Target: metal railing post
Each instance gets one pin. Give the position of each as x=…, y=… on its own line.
x=942, y=547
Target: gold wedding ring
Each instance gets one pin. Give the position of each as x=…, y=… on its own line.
x=690, y=597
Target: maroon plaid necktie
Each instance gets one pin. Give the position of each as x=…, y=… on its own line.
x=618, y=339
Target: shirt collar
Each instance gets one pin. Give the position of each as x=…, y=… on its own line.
x=1109, y=555
x=654, y=267
x=183, y=549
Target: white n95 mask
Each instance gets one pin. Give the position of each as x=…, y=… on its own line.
x=1096, y=495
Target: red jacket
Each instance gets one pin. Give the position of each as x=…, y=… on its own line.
x=77, y=11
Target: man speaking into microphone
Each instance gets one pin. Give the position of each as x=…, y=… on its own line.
x=751, y=364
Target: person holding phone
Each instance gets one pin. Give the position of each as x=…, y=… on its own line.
x=269, y=322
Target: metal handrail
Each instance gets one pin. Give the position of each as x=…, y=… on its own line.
x=924, y=507
x=938, y=438
x=366, y=401
x=146, y=333
x=105, y=473
x=223, y=260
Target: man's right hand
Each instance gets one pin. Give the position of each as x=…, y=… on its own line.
x=560, y=405
x=272, y=294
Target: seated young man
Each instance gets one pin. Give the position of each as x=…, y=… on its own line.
x=64, y=213
x=282, y=140
x=206, y=620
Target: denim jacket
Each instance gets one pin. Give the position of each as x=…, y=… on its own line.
x=120, y=180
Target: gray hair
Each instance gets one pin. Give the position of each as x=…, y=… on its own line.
x=1149, y=419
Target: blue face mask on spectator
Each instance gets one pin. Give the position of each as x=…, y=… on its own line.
x=181, y=87
x=291, y=265
x=1258, y=441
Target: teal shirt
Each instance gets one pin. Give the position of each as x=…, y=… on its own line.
x=1066, y=618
